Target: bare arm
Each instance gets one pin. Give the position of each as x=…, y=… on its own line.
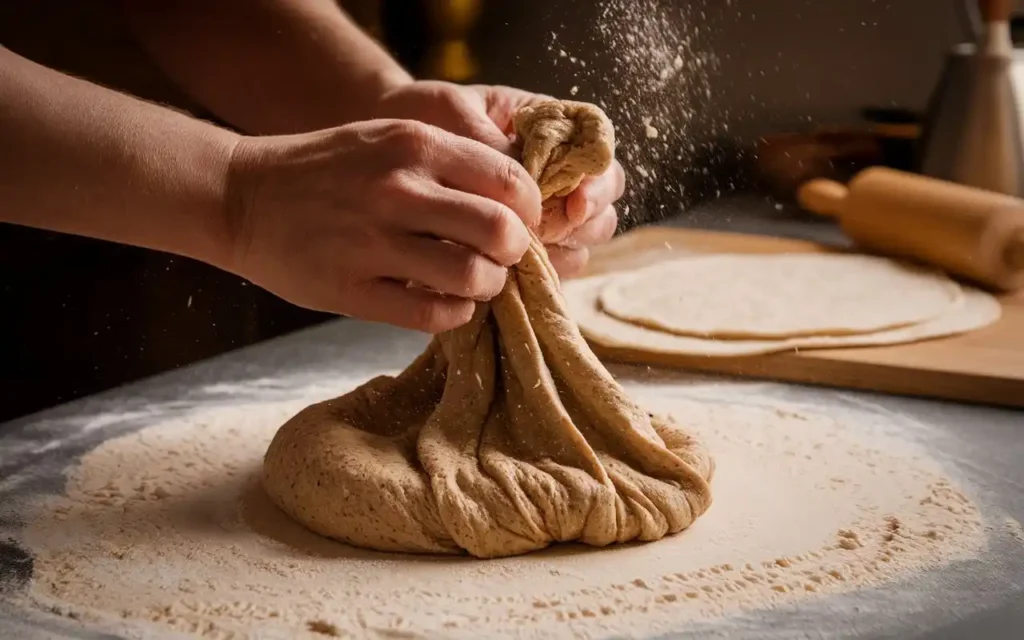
x=78, y=158
x=268, y=66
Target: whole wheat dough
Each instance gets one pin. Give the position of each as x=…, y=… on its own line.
x=506, y=434
x=976, y=309
x=750, y=296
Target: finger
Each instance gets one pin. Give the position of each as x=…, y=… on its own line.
x=502, y=103
x=471, y=123
x=554, y=226
x=467, y=117
x=597, y=230
x=486, y=226
x=446, y=268
x=414, y=308
x=568, y=262
x=595, y=193
x=472, y=167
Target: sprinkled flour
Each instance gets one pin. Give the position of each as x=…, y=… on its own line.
x=653, y=76
x=168, y=529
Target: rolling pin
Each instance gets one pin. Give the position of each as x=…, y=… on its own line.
x=966, y=231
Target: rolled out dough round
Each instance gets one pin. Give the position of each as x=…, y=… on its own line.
x=974, y=310
x=737, y=296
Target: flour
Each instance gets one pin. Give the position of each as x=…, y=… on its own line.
x=1015, y=529
x=167, y=529
x=654, y=79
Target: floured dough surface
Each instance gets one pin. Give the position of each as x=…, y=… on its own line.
x=507, y=434
x=750, y=296
x=976, y=309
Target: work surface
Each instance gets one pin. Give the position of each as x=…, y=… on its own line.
x=976, y=599
x=984, y=446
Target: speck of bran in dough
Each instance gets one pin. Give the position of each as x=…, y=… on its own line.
x=323, y=628
x=168, y=529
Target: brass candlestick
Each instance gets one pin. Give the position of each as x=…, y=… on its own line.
x=449, y=56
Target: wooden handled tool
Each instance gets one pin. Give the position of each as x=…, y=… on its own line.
x=995, y=10
x=995, y=39
x=969, y=232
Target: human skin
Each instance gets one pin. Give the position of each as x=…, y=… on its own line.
x=338, y=198
x=287, y=66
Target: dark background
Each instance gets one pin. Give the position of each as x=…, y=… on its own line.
x=79, y=316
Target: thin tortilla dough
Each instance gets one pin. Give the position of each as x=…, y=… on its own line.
x=976, y=309
x=773, y=296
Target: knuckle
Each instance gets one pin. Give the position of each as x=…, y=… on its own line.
x=437, y=316
x=396, y=181
x=453, y=101
x=496, y=221
x=412, y=140
x=503, y=236
x=478, y=277
x=510, y=177
x=392, y=195
x=520, y=191
x=450, y=96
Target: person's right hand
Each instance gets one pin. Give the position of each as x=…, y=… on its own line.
x=343, y=220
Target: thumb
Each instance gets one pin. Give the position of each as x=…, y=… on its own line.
x=482, y=129
x=470, y=121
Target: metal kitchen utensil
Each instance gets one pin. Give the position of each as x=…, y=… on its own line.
x=973, y=130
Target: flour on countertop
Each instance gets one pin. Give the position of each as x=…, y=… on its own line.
x=1015, y=529
x=168, y=529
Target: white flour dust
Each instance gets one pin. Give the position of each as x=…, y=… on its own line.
x=653, y=76
x=166, y=529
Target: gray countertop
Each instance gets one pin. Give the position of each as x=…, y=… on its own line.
x=977, y=599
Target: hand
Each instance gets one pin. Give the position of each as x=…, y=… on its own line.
x=342, y=220
x=569, y=225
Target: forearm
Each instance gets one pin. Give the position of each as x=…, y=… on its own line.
x=268, y=66
x=81, y=159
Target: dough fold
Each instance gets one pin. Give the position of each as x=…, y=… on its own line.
x=506, y=434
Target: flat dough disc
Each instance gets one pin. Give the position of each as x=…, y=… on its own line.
x=975, y=309
x=778, y=295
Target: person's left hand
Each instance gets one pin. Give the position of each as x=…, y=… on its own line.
x=570, y=225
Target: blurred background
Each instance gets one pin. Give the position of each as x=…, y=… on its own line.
x=713, y=100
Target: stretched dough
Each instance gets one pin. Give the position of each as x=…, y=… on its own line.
x=976, y=309
x=506, y=434
x=750, y=296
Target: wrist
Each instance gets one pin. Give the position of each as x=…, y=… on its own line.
x=241, y=183
x=191, y=219
x=212, y=218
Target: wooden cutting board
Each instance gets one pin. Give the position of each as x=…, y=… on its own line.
x=984, y=366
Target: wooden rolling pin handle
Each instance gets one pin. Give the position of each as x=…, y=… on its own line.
x=824, y=197
x=995, y=10
x=973, y=233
